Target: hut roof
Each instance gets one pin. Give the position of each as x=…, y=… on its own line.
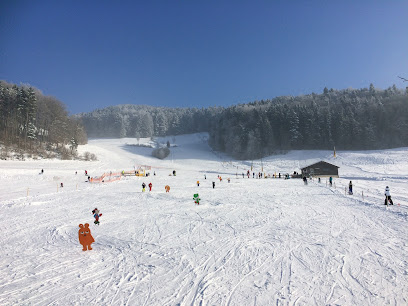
x=320, y=162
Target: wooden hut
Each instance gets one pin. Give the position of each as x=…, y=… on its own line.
x=321, y=169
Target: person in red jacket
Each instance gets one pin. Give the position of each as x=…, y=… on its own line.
x=150, y=186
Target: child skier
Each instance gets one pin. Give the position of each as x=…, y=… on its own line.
x=388, y=196
x=196, y=199
x=96, y=215
x=143, y=187
x=150, y=186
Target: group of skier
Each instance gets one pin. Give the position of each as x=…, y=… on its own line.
x=144, y=186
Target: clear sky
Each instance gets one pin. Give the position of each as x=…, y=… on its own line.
x=92, y=54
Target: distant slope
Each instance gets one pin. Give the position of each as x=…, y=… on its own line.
x=350, y=119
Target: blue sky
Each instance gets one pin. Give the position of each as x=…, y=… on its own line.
x=92, y=54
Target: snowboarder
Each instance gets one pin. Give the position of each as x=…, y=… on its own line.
x=96, y=215
x=143, y=187
x=196, y=199
x=213, y=184
x=387, y=196
x=150, y=186
x=350, y=188
x=331, y=181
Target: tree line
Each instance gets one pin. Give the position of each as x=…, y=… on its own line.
x=349, y=119
x=346, y=119
x=38, y=125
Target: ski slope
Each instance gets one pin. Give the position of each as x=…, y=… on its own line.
x=249, y=242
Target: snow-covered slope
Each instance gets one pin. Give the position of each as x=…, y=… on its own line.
x=249, y=242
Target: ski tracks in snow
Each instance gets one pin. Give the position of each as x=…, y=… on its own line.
x=285, y=244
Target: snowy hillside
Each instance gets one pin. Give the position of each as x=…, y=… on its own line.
x=249, y=242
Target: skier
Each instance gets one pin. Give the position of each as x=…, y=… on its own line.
x=205, y=176
x=96, y=215
x=143, y=187
x=350, y=188
x=213, y=184
x=198, y=183
x=196, y=199
x=331, y=181
x=62, y=185
x=42, y=171
x=167, y=187
x=305, y=180
x=86, y=172
x=229, y=180
x=387, y=196
x=150, y=186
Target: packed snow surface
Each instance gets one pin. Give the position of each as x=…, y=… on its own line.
x=249, y=242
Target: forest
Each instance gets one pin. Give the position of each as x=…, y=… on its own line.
x=348, y=119
x=36, y=126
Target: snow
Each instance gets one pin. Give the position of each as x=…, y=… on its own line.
x=249, y=242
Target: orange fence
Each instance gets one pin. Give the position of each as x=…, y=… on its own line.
x=107, y=178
